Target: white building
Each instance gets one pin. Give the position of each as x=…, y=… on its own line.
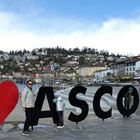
x=101, y=75
x=127, y=68
x=133, y=68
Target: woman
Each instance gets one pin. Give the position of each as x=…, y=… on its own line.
x=27, y=105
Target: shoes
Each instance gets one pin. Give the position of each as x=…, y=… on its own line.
x=60, y=126
x=29, y=131
x=25, y=133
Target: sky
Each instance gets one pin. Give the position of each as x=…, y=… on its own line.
x=109, y=25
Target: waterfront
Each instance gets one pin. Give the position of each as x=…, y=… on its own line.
x=106, y=102
x=114, y=128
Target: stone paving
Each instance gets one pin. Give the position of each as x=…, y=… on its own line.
x=115, y=128
x=92, y=128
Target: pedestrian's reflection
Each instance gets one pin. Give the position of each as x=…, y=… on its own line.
x=128, y=99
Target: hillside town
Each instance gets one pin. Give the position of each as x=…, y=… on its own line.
x=58, y=66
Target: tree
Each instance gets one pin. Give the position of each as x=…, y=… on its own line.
x=81, y=60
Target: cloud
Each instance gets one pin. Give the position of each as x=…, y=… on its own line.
x=119, y=36
x=115, y=35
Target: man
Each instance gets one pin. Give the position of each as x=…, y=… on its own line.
x=128, y=98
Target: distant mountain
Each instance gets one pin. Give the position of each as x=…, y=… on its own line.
x=1, y=52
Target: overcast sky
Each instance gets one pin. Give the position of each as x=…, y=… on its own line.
x=112, y=25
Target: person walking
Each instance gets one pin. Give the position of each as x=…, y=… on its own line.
x=128, y=99
x=27, y=106
x=58, y=100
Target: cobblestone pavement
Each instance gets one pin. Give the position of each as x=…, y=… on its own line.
x=115, y=128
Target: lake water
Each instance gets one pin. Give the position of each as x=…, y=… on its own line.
x=90, y=89
x=107, y=101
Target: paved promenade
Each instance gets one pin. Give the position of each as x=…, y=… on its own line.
x=92, y=128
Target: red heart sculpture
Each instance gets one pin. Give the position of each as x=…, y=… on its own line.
x=8, y=99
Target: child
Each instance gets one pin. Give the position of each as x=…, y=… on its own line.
x=59, y=108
